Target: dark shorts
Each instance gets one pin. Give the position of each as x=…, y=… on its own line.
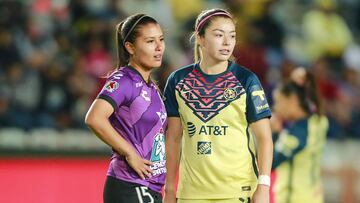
x=119, y=191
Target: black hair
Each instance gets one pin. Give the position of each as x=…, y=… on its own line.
x=307, y=93
x=127, y=31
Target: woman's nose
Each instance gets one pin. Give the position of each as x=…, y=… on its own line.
x=159, y=45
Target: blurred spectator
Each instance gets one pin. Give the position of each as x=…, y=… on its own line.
x=12, y=14
x=83, y=90
x=325, y=32
x=333, y=97
x=8, y=51
x=97, y=60
x=261, y=47
x=20, y=91
x=54, y=54
x=54, y=109
x=183, y=13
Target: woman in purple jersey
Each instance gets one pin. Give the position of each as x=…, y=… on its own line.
x=130, y=117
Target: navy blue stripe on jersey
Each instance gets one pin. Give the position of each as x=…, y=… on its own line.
x=108, y=99
x=253, y=159
x=256, y=104
x=297, y=131
x=171, y=104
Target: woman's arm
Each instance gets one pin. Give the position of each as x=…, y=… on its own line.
x=173, y=146
x=97, y=119
x=262, y=131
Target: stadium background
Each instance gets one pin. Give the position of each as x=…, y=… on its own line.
x=54, y=54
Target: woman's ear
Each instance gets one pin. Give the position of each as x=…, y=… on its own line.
x=130, y=48
x=199, y=40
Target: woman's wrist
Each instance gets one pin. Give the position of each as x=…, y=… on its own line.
x=264, y=180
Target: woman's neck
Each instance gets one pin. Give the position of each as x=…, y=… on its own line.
x=145, y=73
x=212, y=67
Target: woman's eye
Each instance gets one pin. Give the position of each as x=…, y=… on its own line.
x=150, y=41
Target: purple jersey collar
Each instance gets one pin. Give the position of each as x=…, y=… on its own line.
x=150, y=83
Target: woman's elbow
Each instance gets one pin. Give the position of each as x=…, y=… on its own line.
x=90, y=120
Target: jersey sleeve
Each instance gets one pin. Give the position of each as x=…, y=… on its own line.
x=289, y=144
x=117, y=90
x=172, y=107
x=257, y=106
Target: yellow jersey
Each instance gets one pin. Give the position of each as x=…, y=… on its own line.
x=218, y=158
x=296, y=165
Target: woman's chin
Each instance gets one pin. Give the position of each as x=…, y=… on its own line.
x=156, y=64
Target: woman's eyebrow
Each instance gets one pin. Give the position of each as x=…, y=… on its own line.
x=220, y=30
x=153, y=37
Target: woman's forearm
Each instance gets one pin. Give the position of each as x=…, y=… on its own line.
x=265, y=155
x=104, y=131
x=172, y=163
x=264, y=142
x=173, y=146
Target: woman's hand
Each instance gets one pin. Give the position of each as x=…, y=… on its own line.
x=261, y=194
x=141, y=166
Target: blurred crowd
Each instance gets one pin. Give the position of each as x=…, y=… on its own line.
x=55, y=54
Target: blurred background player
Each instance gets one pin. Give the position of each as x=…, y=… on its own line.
x=301, y=130
x=130, y=117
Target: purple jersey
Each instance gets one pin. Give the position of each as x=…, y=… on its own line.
x=140, y=118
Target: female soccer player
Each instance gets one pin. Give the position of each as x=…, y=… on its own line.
x=130, y=117
x=211, y=104
x=298, y=149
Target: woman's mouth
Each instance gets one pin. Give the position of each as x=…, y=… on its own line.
x=158, y=57
x=224, y=51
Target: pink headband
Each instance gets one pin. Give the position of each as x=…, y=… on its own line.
x=220, y=13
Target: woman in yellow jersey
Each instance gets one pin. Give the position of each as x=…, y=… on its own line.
x=211, y=105
x=299, y=144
